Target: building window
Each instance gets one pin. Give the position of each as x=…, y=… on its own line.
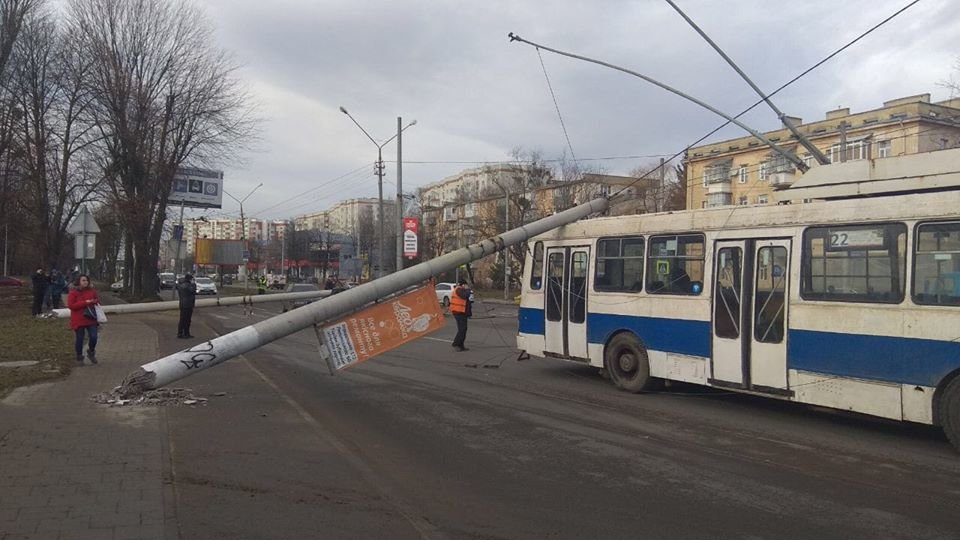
x=854, y=263
x=763, y=171
x=855, y=150
x=762, y=199
x=742, y=173
x=883, y=149
x=619, y=264
x=743, y=201
x=675, y=264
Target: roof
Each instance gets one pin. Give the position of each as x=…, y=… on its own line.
x=930, y=171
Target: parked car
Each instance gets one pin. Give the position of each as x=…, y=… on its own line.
x=167, y=280
x=206, y=285
x=8, y=281
x=444, y=290
x=299, y=288
x=117, y=286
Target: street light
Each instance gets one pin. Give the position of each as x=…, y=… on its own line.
x=379, y=170
x=243, y=225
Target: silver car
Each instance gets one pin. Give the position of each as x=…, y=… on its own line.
x=299, y=288
x=206, y=286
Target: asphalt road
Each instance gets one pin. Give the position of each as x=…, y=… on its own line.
x=428, y=442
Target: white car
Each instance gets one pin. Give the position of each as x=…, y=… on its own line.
x=444, y=290
x=206, y=286
x=117, y=287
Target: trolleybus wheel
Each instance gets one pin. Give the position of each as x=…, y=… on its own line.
x=950, y=412
x=627, y=363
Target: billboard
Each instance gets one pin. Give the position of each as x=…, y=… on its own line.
x=197, y=188
x=210, y=251
x=382, y=327
x=411, y=227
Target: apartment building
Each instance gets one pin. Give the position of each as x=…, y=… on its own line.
x=744, y=171
x=233, y=229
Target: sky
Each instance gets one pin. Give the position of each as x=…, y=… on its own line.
x=476, y=96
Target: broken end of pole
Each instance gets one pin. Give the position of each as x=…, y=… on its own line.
x=137, y=383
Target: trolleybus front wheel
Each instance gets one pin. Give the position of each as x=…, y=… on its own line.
x=950, y=412
x=627, y=363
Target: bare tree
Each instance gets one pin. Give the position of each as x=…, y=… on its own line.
x=162, y=95
x=55, y=133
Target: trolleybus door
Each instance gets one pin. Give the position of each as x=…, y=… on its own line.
x=565, y=302
x=728, y=313
x=750, y=314
x=768, y=340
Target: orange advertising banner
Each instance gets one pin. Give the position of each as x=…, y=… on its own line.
x=382, y=327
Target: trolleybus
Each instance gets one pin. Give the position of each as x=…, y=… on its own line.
x=851, y=304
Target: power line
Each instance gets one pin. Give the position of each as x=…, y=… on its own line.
x=557, y=106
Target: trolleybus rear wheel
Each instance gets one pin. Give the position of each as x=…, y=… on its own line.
x=627, y=363
x=950, y=412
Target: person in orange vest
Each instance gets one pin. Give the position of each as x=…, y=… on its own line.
x=462, y=309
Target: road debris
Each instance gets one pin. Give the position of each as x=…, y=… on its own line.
x=161, y=397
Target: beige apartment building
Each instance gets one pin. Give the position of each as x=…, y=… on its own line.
x=744, y=171
x=470, y=206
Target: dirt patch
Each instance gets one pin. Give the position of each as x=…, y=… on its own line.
x=48, y=342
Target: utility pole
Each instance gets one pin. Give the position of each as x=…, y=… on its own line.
x=379, y=172
x=399, y=220
x=661, y=196
x=506, y=252
x=243, y=228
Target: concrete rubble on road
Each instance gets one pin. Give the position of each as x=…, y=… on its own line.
x=161, y=397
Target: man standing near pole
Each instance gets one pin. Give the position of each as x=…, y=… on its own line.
x=187, y=290
x=461, y=308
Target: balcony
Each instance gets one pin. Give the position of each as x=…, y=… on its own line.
x=782, y=179
x=721, y=186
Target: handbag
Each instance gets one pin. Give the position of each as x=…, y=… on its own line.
x=101, y=315
x=90, y=313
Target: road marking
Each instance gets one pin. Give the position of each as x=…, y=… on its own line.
x=438, y=339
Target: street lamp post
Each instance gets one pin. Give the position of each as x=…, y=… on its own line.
x=243, y=226
x=379, y=170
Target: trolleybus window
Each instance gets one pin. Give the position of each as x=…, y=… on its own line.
x=727, y=302
x=555, y=287
x=536, y=273
x=770, y=294
x=675, y=264
x=578, y=287
x=936, y=275
x=854, y=263
x=619, y=264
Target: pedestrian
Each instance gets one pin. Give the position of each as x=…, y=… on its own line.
x=82, y=302
x=461, y=305
x=262, y=285
x=58, y=286
x=40, y=283
x=187, y=291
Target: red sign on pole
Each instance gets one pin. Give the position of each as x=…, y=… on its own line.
x=411, y=227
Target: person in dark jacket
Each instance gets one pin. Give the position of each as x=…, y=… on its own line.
x=82, y=319
x=40, y=284
x=460, y=306
x=58, y=286
x=187, y=291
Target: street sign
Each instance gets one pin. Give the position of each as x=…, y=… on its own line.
x=410, y=229
x=84, y=246
x=382, y=327
x=83, y=223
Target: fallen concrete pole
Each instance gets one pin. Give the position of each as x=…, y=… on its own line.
x=208, y=354
x=118, y=309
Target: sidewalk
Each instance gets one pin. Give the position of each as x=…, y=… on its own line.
x=72, y=469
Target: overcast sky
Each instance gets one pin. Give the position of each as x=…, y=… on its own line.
x=476, y=96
